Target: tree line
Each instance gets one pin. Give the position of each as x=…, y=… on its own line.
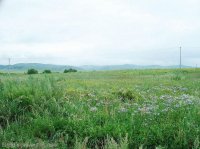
x=47, y=71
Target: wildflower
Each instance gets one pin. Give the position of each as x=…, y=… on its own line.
x=123, y=110
x=143, y=110
x=184, y=97
x=177, y=106
x=188, y=102
x=93, y=109
x=184, y=89
x=166, y=109
x=127, y=104
x=98, y=104
x=91, y=95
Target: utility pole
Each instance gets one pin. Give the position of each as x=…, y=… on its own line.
x=9, y=60
x=180, y=57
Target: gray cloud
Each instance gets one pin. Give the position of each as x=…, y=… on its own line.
x=100, y=31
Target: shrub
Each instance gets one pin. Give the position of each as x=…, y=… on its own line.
x=47, y=71
x=32, y=71
x=70, y=70
x=125, y=95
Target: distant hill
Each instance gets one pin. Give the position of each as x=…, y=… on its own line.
x=38, y=66
x=21, y=67
x=127, y=66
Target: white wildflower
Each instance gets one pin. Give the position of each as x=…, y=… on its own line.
x=123, y=110
x=93, y=109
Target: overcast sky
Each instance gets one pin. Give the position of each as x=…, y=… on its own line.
x=100, y=32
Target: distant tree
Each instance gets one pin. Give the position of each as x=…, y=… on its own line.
x=70, y=70
x=47, y=71
x=32, y=71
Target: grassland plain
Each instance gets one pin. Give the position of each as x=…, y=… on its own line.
x=143, y=109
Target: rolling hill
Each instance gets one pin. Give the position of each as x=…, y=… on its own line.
x=21, y=67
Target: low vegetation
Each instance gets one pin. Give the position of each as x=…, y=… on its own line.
x=102, y=110
x=70, y=70
x=32, y=71
x=47, y=71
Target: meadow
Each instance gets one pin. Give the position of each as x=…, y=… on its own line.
x=127, y=109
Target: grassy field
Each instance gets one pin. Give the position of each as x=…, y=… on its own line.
x=143, y=109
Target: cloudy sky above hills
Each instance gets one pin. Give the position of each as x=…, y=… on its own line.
x=100, y=32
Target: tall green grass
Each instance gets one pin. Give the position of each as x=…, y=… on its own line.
x=113, y=109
